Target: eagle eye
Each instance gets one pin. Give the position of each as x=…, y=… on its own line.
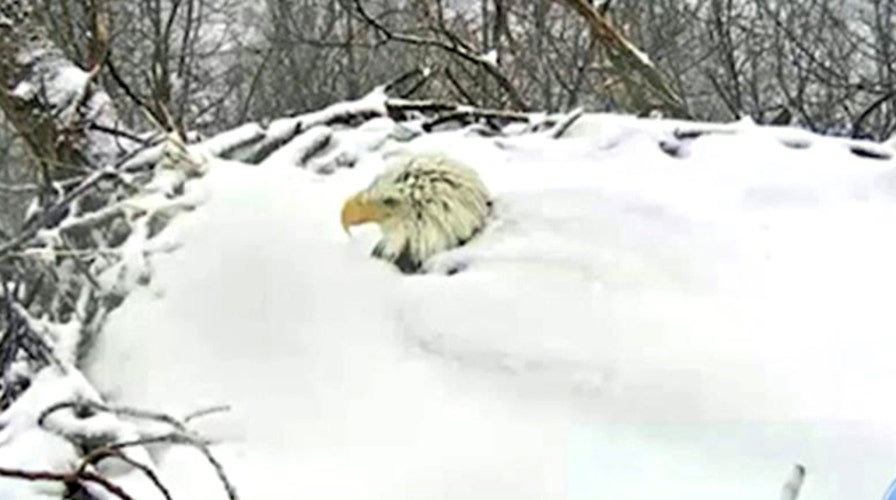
x=390, y=201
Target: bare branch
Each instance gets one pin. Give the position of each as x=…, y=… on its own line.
x=181, y=433
x=206, y=412
x=98, y=455
x=880, y=101
x=630, y=62
x=69, y=479
x=492, y=70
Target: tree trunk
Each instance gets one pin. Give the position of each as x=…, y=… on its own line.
x=63, y=116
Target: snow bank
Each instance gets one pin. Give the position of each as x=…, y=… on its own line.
x=637, y=321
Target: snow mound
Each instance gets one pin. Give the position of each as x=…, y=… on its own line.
x=651, y=312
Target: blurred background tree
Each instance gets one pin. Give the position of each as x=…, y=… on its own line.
x=826, y=65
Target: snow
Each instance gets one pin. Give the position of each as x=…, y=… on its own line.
x=45, y=79
x=24, y=91
x=24, y=445
x=240, y=135
x=490, y=58
x=299, y=148
x=62, y=85
x=373, y=102
x=632, y=324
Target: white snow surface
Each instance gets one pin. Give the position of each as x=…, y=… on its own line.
x=630, y=325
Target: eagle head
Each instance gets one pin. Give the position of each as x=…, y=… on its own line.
x=424, y=204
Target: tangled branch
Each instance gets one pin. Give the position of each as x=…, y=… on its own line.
x=179, y=435
x=70, y=265
x=453, y=48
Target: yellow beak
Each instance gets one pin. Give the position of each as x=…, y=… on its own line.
x=358, y=210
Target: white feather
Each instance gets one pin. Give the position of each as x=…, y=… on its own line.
x=443, y=204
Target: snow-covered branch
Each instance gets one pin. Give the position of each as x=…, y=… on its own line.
x=643, y=83
x=64, y=117
x=178, y=434
x=92, y=245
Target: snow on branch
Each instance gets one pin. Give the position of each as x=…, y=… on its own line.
x=73, y=262
x=642, y=82
x=300, y=149
x=311, y=139
x=64, y=117
x=253, y=143
x=65, y=405
x=787, y=136
x=178, y=433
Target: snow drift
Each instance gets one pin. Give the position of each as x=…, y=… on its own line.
x=648, y=314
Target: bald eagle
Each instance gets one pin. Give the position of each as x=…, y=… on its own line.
x=424, y=204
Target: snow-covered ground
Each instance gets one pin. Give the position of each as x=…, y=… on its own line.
x=631, y=325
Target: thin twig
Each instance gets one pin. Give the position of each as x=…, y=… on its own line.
x=98, y=455
x=184, y=439
x=51, y=212
x=119, y=411
x=206, y=412
x=44, y=345
x=120, y=133
x=509, y=88
x=181, y=434
x=68, y=479
x=19, y=188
